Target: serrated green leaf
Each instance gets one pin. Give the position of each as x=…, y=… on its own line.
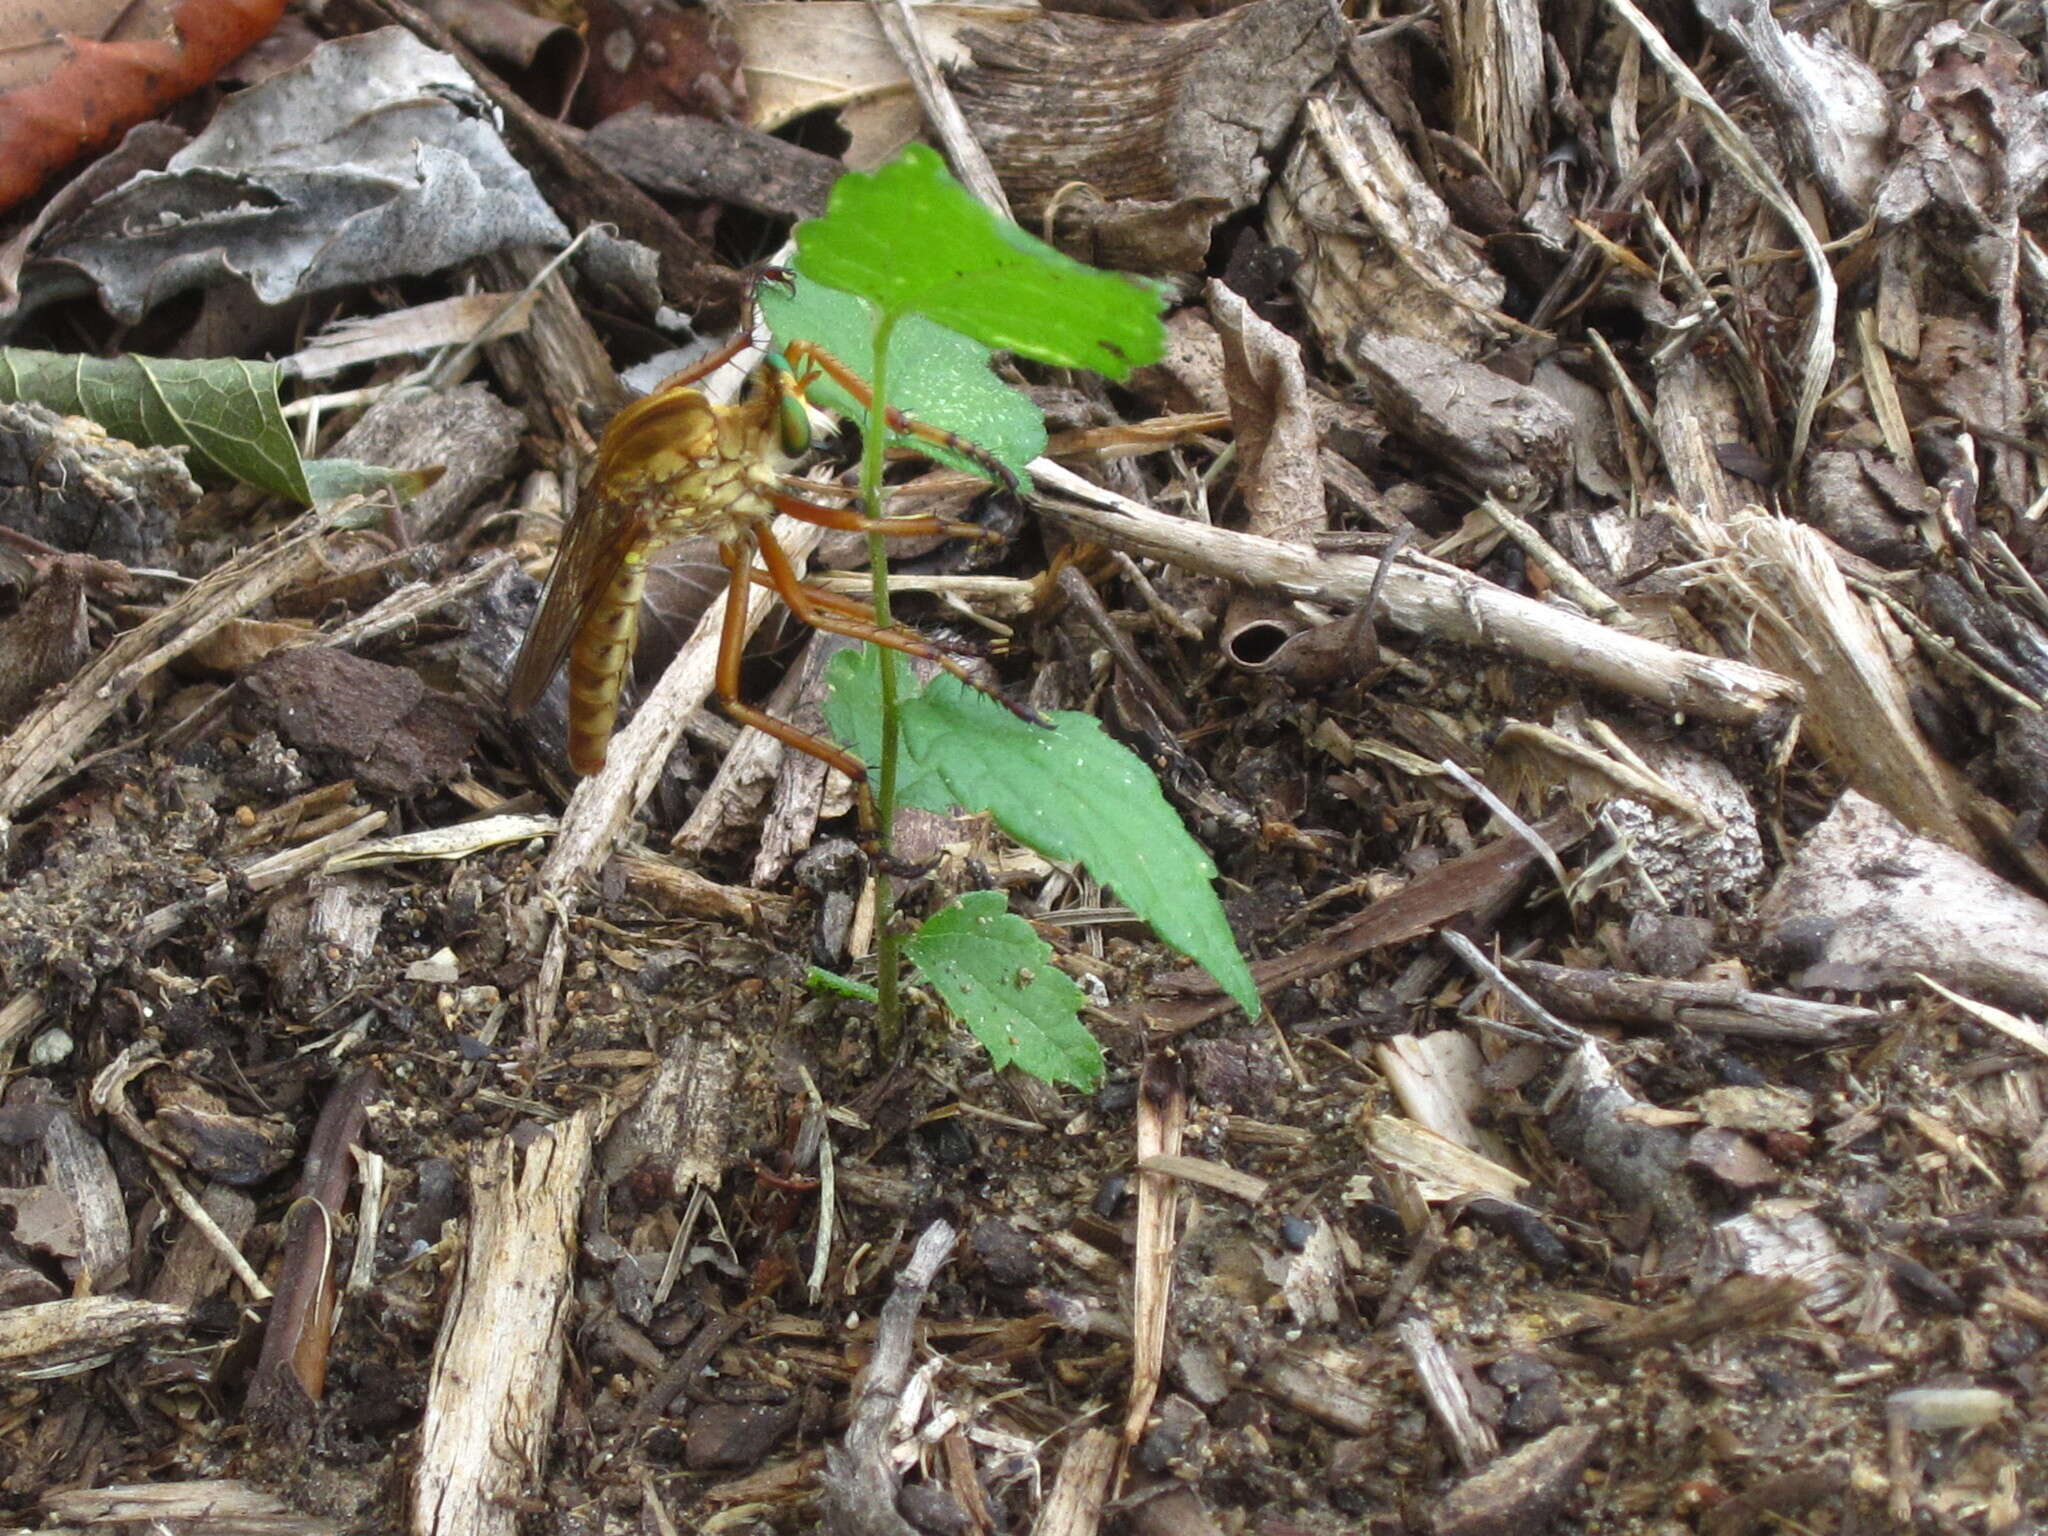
x=998, y=978
x=913, y=240
x=1071, y=792
x=936, y=376
x=223, y=409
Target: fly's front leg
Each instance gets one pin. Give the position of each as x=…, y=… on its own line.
x=803, y=602
x=853, y=520
x=809, y=355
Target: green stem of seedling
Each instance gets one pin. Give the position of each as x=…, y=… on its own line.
x=874, y=442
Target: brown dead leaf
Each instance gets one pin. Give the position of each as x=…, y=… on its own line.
x=77, y=72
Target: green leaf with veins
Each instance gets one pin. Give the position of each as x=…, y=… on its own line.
x=997, y=977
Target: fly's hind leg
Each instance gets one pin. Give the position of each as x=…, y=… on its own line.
x=732, y=644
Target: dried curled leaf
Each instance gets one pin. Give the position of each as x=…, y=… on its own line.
x=96, y=89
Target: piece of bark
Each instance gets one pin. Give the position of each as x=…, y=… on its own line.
x=1501, y=438
x=1741, y=1301
x=1867, y=505
x=315, y=946
x=1325, y=1385
x=675, y=889
x=721, y=162
x=67, y=483
x=208, y=1138
x=81, y=1176
x=467, y=431
x=202, y=1507
x=195, y=1269
x=1433, y=600
x=1478, y=883
x=1197, y=109
x=1408, y=270
x=1519, y=1495
x=1776, y=1503
x=46, y=639
x=680, y=1129
x=63, y=1338
x=1828, y=104
x=1710, y=1007
x=498, y=1358
x=546, y=57
x=1865, y=904
x=383, y=725
x=722, y=1436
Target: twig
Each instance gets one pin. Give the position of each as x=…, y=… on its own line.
x=1437, y=601
x=860, y=1478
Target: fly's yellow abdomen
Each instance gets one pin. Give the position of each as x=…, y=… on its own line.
x=598, y=659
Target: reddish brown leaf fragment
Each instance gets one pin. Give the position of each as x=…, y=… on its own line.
x=102, y=88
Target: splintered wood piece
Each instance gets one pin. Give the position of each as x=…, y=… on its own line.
x=1443, y=1388
x=1789, y=603
x=1378, y=245
x=1162, y=1120
x=498, y=1360
x=205, y=1504
x=1075, y=1505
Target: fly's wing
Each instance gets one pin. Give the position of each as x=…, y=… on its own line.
x=594, y=546
x=646, y=452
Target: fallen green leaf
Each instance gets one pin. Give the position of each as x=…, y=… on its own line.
x=223, y=409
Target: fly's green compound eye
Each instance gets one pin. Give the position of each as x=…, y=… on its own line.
x=796, y=424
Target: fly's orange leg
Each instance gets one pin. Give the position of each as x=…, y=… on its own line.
x=732, y=644
x=808, y=355
x=803, y=602
x=853, y=520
